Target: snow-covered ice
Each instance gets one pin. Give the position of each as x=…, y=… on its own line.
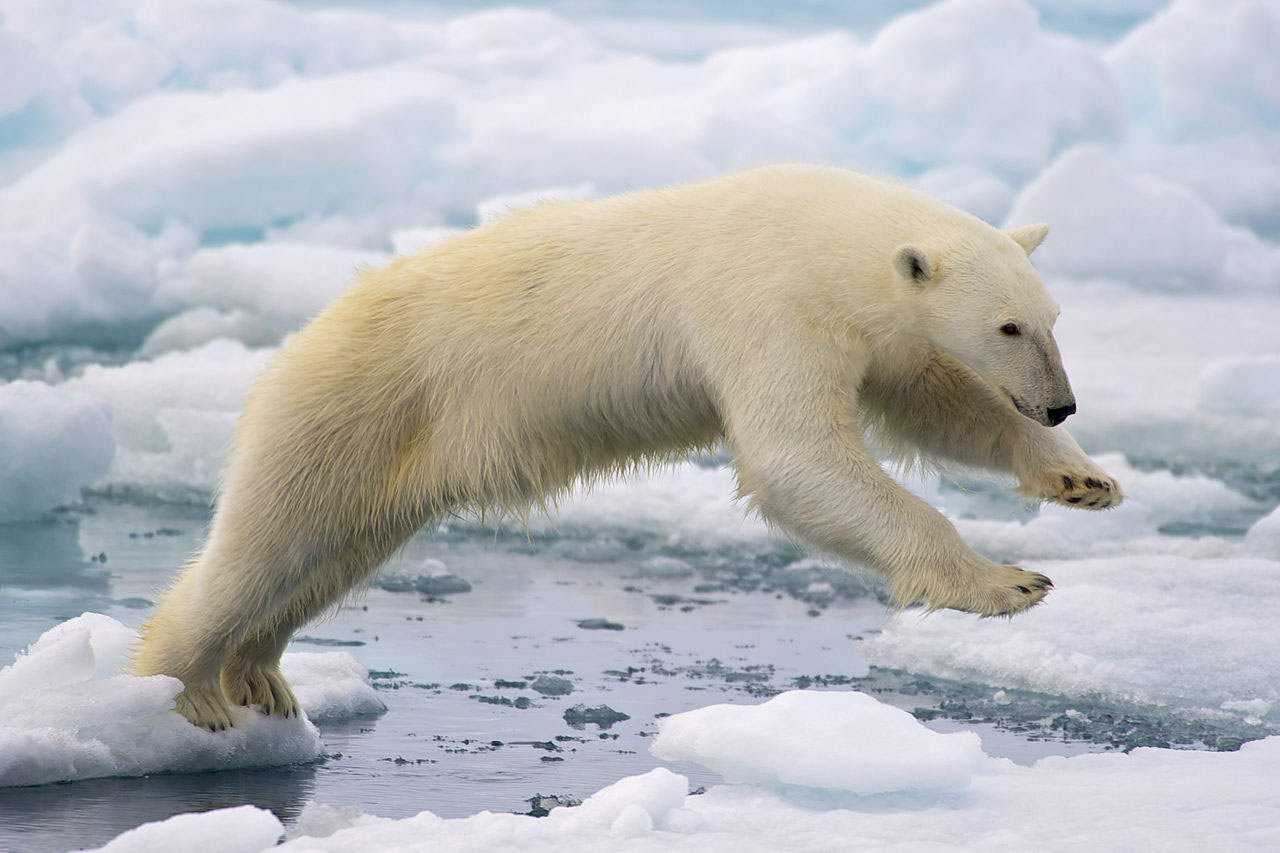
x=69, y=711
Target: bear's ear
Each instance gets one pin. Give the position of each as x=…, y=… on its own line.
x=913, y=263
x=1029, y=236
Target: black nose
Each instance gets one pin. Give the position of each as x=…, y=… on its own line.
x=1060, y=414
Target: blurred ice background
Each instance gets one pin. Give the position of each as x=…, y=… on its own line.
x=183, y=184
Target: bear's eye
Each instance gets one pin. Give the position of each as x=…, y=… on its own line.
x=1011, y=329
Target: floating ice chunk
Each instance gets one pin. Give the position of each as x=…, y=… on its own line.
x=1253, y=709
x=1140, y=228
x=1173, y=799
x=1206, y=112
x=1263, y=538
x=286, y=282
x=173, y=416
x=319, y=820
x=198, y=326
x=967, y=66
x=331, y=686
x=243, y=829
x=969, y=188
x=67, y=712
x=692, y=504
x=1242, y=386
x=637, y=806
x=53, y=441
x=1120, y=628
x=845, y=741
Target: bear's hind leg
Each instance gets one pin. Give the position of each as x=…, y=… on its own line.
x=186, y=638
x=251, y=674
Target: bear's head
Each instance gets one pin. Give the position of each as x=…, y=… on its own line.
x=981, y=301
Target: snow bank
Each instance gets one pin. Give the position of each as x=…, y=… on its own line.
x=53, y=441
x=1143, y=229
x=1172, y=800
x=68, y=712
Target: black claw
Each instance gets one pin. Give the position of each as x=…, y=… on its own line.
x=1024, y=590
x=1068, y=482
x=1074, y=500
x=1092, y=483
x=1092, y=503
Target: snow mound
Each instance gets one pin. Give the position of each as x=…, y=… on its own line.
x=68, y=712
x=840, y=741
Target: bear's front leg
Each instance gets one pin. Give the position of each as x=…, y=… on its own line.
x=1052, y=467
x=816, y=479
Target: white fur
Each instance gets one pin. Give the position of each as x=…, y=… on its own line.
x=772, y=309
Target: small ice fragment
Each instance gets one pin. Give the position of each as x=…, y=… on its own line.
x=551, y=685
x=596, y=624
x=602, y=715
x=540, y=805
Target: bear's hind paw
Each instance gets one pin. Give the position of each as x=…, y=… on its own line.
x=204, y=706
x=262, y=686
x=1017, y=592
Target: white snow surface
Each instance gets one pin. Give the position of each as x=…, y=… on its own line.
x=1147, y=799
x=69, y=711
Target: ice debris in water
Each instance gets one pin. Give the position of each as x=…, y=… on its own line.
x=68, y=712
x=551, y=685
x=598, y=624
x=601, y=715
x=821, y=770
x=430, y=577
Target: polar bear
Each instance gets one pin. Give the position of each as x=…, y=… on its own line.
x=791, y=312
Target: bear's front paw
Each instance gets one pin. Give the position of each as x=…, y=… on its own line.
x=1080, y=488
